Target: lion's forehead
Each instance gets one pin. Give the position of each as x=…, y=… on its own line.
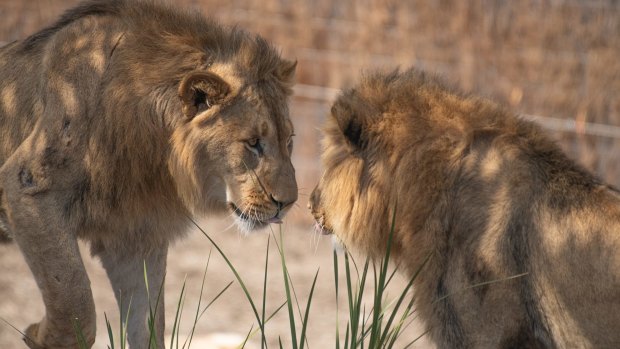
x=273, y=127
x=266, y=119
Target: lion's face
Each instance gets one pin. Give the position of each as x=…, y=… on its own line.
x=388, y=147
x=234, y=151
x=353, y=197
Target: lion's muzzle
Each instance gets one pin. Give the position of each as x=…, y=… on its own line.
x=314, y=205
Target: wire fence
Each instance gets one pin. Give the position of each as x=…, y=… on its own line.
x=328, y=95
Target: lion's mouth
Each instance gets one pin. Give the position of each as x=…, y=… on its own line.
x=253, y=221
x=321, y=227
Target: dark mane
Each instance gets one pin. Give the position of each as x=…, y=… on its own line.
x=87, y=8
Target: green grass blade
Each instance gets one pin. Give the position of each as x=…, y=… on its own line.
x=400, y=326
x=110, y=334
x=392, y=274
x=215, y=298
x=480, y=285
x=403, y=294
x=15, y=328
x=415, y=340
x=79, y=334
x=270, y=317
x=235, y=272
x=305, y=321
x=124, y=322
x=380, y=287
x=177, y=316
x=198, y=313
x=287, y=288
x=247, y=337
x=263, y=339
x=359, y=339
x=275, y=312
x=353, y=314
x=292, y=285
x=152, y=313
x=337, y=300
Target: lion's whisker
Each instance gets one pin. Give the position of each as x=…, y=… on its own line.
x=257, y=179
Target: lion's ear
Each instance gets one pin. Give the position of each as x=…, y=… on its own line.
x=350, y=123
x=286, y=71
x=200, y=91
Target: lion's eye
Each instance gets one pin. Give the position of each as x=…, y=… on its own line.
x=253, y=144
x=289, y=142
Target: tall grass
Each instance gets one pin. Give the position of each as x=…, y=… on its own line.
x=383, y=324
x=376, y=325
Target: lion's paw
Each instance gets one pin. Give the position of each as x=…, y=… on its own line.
x=30, y=337
x=35, y=338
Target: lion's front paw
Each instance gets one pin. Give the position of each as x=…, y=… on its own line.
x=31, y=337
x=42, y=336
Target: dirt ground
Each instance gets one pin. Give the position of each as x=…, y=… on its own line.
x=231, y=316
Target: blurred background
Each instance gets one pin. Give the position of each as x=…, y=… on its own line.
x=554, y=61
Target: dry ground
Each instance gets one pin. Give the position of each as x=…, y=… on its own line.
x=305, y=253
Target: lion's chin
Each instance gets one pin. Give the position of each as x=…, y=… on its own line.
x=321, y=226
x=248, y=224
x=321, y=229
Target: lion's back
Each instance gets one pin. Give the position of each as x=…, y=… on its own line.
x=16, y=98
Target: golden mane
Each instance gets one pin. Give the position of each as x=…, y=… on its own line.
x=487, y=197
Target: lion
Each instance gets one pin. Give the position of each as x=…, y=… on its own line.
x=519, y=246
x=118, y=124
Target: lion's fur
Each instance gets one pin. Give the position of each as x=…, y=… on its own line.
x=487, y=196
x=97, y=139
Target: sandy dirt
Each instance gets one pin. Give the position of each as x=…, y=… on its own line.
x=231, y=315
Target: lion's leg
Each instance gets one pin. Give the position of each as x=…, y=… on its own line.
x=5, y=235
x=51, y=251
x=126, y=273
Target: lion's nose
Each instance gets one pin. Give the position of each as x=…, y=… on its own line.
x=281, y=204
x=314, y=197
x=278, y=203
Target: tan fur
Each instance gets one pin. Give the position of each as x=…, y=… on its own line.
x=116, y=125
x=487, y=196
